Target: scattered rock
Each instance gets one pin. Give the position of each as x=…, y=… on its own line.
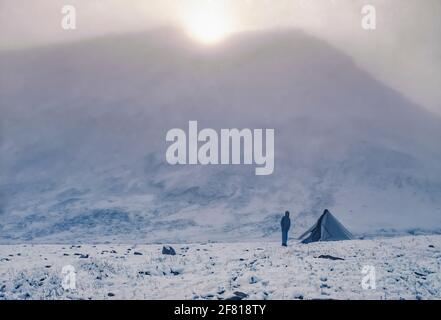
x=84, y=256
x=327, y=256
x=136, y=253
x=25, y=296
x=168, y=250
x=176, y=270
x=238, y=295
x=298, y=295
x=253, y=279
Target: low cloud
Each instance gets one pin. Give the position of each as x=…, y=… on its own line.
x=404, y=52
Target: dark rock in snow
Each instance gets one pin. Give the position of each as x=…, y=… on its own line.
x=238, y=295
x=175, y=273
x=168, y=250
x=84, y=256
x=136, y=253
x=25, y=296
x=327, y=256
x=111, y=294
x=253, y=280
x=420, y=274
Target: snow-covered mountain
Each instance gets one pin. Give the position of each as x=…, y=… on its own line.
x=83, y=126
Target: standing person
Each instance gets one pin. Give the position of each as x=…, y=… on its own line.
x=285, y=223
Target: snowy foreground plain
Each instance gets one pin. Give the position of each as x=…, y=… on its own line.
x=406, y=268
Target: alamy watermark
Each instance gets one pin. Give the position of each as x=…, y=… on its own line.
x=369, y=279
x=69, y=280
x=230, y=147
x=369, y=17
x=69, y=17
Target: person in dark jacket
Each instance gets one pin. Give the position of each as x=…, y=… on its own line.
x=285, y=223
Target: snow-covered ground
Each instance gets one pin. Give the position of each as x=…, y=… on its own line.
x=405, y=267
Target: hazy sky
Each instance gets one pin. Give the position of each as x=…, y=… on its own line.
x=403, y=52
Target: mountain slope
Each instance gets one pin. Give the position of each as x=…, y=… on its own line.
x=83, y=141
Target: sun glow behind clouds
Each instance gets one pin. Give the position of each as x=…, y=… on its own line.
x=209, y=23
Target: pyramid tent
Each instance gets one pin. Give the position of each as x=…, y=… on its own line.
x=327, y=228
